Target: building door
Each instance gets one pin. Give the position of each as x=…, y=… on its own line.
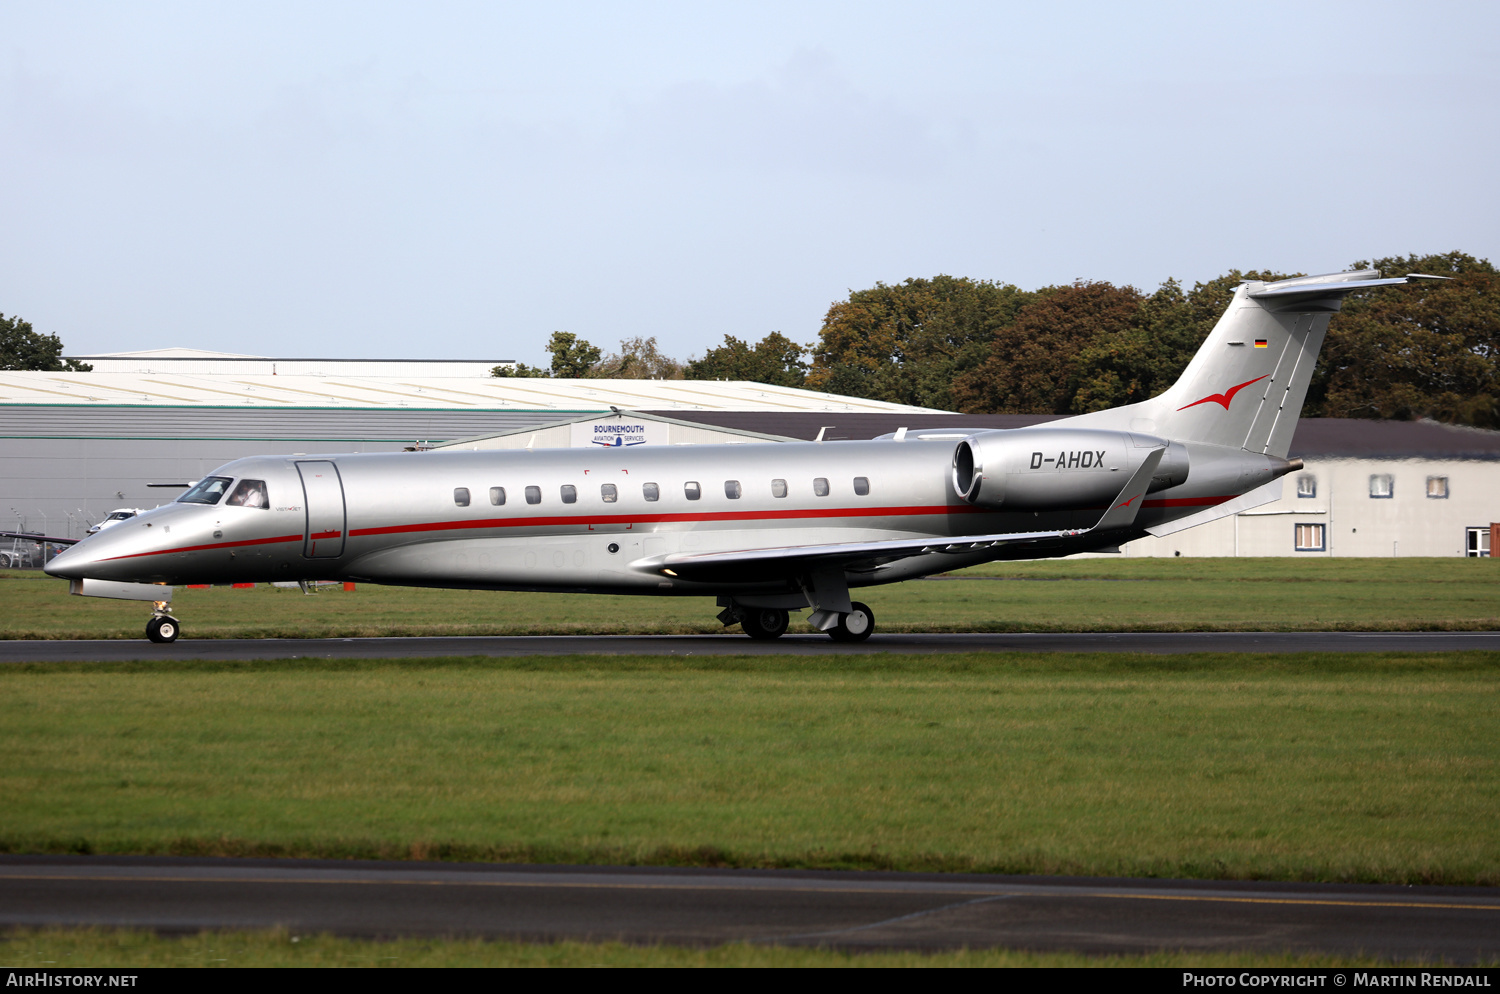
x=323, y=497
x=1478, y=544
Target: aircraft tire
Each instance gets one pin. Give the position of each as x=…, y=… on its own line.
x=163, y=629
x=765, y=623
x=855, y=626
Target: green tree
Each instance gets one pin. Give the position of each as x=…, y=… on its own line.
x=775, y=360
x=908, y=342
x=21, y=348
x=520, y=369
x=1430, y=350
x=638, y=359
x=572, y=358
x=1033, y=365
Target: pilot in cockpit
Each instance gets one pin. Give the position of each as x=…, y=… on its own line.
x=249, y=493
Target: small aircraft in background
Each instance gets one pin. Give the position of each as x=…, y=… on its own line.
x=114, y=517
x=764, y=528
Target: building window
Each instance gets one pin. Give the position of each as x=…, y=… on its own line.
x=533, y=495
x=1307, y=486
x=862, y=486
x=1310, y=538
x=1477, y=544
x=1382, y=485
x=651, y=491
x=692, y=490
x=497, y=496
x=820, y=487
x=778, y=488
x=732, y=489
x=1437, y=487
x=609, y=493
x=569, y=493
x=461, y=496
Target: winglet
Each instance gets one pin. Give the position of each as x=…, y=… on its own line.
x=1127, y=505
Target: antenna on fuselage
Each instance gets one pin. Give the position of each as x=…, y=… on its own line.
x=821, y=431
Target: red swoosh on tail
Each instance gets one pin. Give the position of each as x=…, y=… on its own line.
x=1224, y=398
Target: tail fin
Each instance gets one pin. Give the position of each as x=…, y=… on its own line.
x=1245, y=386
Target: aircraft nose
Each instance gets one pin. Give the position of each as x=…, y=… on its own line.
x=70, y=564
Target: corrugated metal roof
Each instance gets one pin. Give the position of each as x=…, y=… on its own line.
x=431, y=393
x=198, y=362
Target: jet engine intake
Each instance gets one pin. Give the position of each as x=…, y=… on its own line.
x=1042, y=468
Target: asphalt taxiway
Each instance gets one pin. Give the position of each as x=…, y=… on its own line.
x=852, y=910
x=119, y=650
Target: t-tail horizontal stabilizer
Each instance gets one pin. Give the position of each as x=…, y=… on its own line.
x=1127, y=505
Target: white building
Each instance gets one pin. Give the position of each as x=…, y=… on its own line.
x=1368, y=488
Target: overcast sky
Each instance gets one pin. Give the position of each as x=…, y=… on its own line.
x=432, y=180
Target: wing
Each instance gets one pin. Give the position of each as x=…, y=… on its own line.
x=753, y=565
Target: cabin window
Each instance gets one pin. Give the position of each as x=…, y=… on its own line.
x=732, y=489
x=1437, y=487
x=497, y=496
x=207, y=491
x=778, y=488
x=533, y=495
x=1307, y=486
x=1382, y=485
x=569, y=493
x=862, y=486
x=609, y=493
x=692, y=490
x=249, y=493
x=651, y=491
x=1310, y=538
x=820, y=487
x=461, y=496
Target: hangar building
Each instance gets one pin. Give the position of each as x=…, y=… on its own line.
x=74, y=446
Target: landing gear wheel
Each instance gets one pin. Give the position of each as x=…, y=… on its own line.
x=765, y=622
x=163, y=629
x=855, y=626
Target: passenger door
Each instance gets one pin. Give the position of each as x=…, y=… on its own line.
x=323, y=497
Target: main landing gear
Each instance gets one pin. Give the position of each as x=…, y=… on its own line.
x=163, y=627
x=766, y=623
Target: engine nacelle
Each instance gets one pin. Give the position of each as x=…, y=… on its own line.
x=1028, y=469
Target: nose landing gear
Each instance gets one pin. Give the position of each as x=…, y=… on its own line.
x=163, y=627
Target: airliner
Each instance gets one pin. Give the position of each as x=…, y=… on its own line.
x=767, y=528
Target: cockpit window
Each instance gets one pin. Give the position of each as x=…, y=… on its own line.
x=206, y=491
x=249, y=493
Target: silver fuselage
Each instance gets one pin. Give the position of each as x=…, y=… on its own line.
x=397, y=520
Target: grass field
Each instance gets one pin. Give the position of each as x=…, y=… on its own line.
x=1360, y=767
x=124, y=949
x=1114, y=594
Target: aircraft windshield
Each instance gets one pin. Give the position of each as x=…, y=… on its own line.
x=207, y=491
x=250, y=493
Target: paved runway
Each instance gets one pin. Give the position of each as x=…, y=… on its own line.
x=843, y=909
x=106, y=650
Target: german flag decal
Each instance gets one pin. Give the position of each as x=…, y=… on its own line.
x=1260, y=343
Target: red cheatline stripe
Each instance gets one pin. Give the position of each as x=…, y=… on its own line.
x=216, y=545
x=644, y=519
